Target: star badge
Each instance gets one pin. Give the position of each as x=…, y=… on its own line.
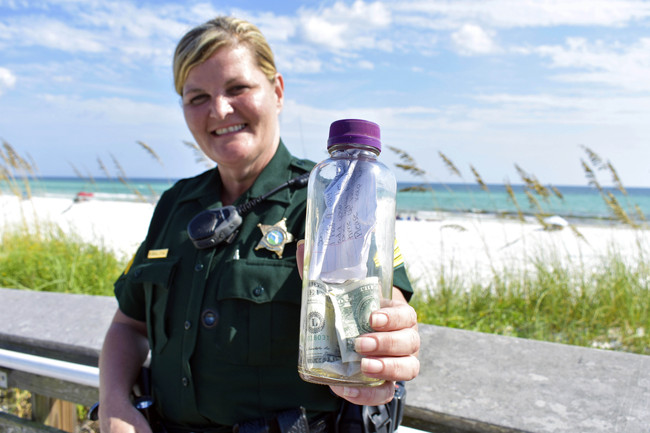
x=274, y=237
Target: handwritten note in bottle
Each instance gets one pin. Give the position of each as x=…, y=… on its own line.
x=348, y=271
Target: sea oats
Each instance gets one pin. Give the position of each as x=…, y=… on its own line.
x=450, y=165
x=150, y=151
x=199, y=156
x=479, y=179
x=103, y=168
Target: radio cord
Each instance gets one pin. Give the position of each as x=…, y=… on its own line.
x=298, y=182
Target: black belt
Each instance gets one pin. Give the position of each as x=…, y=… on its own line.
x=289, y=421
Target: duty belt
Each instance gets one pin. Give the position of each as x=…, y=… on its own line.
x=288, y=421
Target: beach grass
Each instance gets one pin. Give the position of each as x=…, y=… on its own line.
x=606, y=307
x=49, y=259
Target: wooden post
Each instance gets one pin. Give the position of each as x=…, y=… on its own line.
x=55, y=413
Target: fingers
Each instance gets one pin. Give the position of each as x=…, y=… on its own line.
x=300, y=256
x=397, y=315
x=370, y=396
x=391, y=353
x=397, y=333
x=395, y=343
x=391, y=368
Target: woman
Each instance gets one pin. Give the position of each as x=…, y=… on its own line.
x=222, y=322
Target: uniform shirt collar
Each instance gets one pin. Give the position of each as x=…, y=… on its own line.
x=274, y=174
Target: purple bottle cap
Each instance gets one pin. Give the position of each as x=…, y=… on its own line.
x=354, y=131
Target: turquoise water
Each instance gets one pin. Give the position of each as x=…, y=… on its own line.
x=102, y=189
x=577, y=203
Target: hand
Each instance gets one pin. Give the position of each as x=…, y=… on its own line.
x=389, y=354
x=122, y=418
x=125, y=349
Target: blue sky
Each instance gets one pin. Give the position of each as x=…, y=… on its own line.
x=489, y=83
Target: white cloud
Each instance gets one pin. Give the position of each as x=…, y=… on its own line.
x=275, y=28
x=7, y=79
x=301, y=65
x=364, y=64
x=49, y=33
x=553, y=109
x=123, y=19
x=122, y=31
x=115, y=110
x=351, y=27
x=616, y=65
x=541, y=132
x=13, y=4
x=525, y=13
x=139, y=33
x=471, y=39
x=322, y=32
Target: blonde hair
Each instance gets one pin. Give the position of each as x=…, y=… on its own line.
x=200, y=43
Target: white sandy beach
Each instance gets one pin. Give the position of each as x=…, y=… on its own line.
x=472, y=246
x=465, y=245
x=118, y=225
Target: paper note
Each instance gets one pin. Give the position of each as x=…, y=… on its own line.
x=342, y=245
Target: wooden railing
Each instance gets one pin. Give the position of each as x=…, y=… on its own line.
x=56, y=387
x=49, y=345
x=469, y=382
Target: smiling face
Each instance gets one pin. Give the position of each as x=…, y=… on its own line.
x=232, y=110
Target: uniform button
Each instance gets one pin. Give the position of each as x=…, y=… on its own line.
x=185, y=381
x=209, y=318
x=198, y=267
x=258, y=291
x=137, y=273
x=188, y=325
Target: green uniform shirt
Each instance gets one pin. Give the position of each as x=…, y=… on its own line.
x=223, y=323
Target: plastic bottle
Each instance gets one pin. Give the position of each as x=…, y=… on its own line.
x=349, y=239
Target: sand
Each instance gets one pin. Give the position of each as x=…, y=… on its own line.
x=465, y=245
x=118, y=225
x=473, y=247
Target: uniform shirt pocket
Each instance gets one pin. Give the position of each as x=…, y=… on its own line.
x=156, y=277
x=259, y=303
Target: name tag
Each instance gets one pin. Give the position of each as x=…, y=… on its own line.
x=157, y=254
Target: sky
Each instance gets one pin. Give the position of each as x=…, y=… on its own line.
x=490, y=84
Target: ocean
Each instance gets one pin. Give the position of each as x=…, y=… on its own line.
x=583, y=203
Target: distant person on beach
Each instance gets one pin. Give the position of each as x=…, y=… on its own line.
x=221, y=322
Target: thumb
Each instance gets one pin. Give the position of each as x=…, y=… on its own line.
x=300, y=255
